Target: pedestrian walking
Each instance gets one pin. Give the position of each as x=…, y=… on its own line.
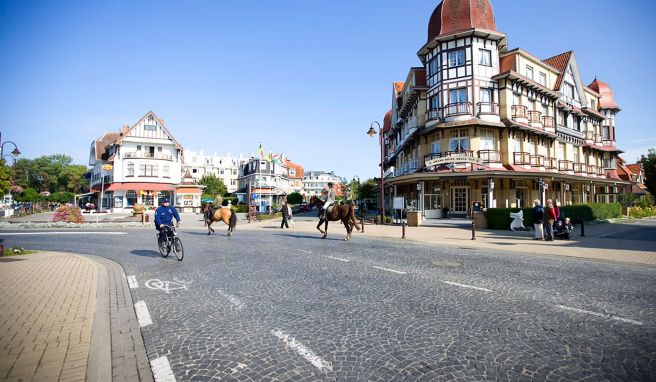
x=538, y=217
x=549, y=219
x=285, y=216
x=290, y=219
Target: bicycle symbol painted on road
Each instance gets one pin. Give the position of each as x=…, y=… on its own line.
x=167, y=286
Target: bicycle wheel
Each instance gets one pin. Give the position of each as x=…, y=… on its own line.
x=177, y=248
x=165, y=249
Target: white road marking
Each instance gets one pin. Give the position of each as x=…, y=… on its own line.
x=600, y=315
x=167, y=286
x=306, y=353
x=142, y=314
x=390, y=270
x=467, y=286
x=162, y=370
x=64, y=233
x=300, y=250
x=233, y=300
x=337, y=258
x=132, y=282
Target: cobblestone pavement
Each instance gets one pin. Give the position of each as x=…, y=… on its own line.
x=45, y=324
x=273, y=304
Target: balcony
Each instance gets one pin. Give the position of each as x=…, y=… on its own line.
x=408, y=167
x=457, y=109
x=597, y=138
x=600, y=171
x=591, y=169
x=428, y=157
x=433, y=115
x=565, y=165
x=460, y=153
x=608, y=142
x=579, y=168
x=521, y=158
x=551, y=164
x=548, y=122
x=537, y=160
x=535, y=119
x=490, y=156
x=519, y=112
x=487, y=108
x=589, y=136
x=144, y=155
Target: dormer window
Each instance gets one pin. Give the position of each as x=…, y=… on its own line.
x=529, y=71
x=569, y=91
x=456, y=58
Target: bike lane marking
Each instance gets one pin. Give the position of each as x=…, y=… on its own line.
x=603, y=315
x=337, y=258
x=390, y=270
x=467, y=286
x=162, y=371
x=143, y=316
x=303, y=351
x=132, y=282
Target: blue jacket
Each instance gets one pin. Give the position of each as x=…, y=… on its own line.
x=165, y=215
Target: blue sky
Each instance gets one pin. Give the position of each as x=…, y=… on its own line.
x=304, y=78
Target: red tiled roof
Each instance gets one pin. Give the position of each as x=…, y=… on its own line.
x=460, y=15
x=607, y=101
x=635, y=168
x=612, y=174
x=106, y=140
x=420, y=77
x=387, y=121
x=560, y=62
x=189, y=190
x=507, y=63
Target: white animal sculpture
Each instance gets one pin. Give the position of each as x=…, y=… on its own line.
x=518, y=221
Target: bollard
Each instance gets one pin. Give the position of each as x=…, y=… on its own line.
x=473, y=230
x=582, y=228
x=402, y=230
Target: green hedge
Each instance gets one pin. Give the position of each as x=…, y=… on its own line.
x=499, y=218
x=638, y=212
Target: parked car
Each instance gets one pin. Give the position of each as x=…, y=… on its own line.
x=304, y=207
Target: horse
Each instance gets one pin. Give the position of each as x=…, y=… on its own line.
x=226, y=215
x=343, y=212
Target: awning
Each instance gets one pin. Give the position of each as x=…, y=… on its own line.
x=189, y=190
x=140, y=187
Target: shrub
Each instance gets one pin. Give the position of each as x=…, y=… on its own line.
x=499, y=218
x=240, y=208
x=68, y=214
x=640, y=212
x=269, y=216
x=231, y=199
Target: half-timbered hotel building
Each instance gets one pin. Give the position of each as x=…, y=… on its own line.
x=481, y=123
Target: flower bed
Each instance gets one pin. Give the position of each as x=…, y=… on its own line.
x=68, y=214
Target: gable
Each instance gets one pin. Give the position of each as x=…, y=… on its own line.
x=149, y=126
x=572, y=86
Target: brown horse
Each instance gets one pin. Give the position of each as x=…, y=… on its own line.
x=343, y=212
x=226, y=215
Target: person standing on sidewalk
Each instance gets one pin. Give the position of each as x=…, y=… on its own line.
x=290, y=219
x=285, y=215
x=549, y=220
x=538, y=217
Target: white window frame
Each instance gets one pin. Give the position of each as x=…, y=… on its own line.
x=485, y=57
x=456, y=58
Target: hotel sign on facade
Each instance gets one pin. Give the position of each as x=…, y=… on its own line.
x=456, y=158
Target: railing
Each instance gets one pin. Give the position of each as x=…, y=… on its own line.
x=592, y=169
x=487, y=108
x=433, y=114
x=551, y=164
x=565, y=165
x=137, y=154
x=522, y=158
x=548, y=122
x=597, y=138
x=537, y=160
x=519, y=111
x=490, y=156
x=579, y=168
x=608, y=142
x=408, y=167
x=600, y=171
x=535, y=117
x=428, y=157
x=456, y=109
x=460, y=153
x=589, y=135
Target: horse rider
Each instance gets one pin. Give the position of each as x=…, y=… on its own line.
x=328, y=196
x=164, y=216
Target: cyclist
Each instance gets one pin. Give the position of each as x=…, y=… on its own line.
x=164, y=217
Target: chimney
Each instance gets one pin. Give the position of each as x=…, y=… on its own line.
x=124, y=129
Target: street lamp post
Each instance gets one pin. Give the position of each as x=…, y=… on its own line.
x=358, y=199
x=14, y=153
x=371, y=132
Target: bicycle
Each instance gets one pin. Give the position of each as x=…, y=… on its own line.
x=172, y=243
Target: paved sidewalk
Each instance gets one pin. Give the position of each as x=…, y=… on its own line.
x=55, y=313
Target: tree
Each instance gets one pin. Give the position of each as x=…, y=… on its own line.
x=649, y=165
x=29, y=195
x=213, y=185
x=294, y=198
x=5, y=178
x=368, y=189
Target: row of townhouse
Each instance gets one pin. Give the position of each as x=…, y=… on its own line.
x=481, y=123
x=143, y=163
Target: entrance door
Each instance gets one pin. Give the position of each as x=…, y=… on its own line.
x=433, y=206
x=459, y=200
